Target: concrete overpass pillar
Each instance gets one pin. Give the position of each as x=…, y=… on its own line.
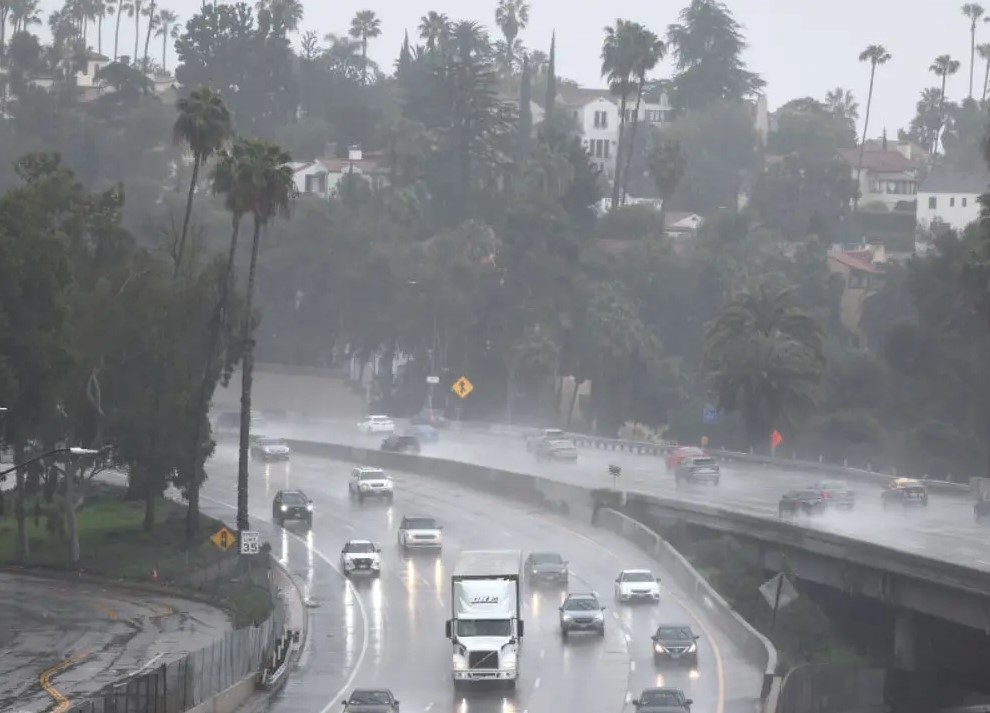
x=905, y=641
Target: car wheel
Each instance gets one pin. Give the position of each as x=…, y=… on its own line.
x=563, y=632
x=601, y=632
x=309, y=522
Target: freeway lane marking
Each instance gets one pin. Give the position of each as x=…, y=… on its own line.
x=365, y=632
x=45, y=681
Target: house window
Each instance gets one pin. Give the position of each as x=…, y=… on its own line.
x=606, y=144
x=932, y=203
x=952, y=201
x=601, y=119
x=964, y=200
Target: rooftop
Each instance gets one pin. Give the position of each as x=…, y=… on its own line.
x=879, y=161
x=955, y=182
x=853, y=262
x=580, y=96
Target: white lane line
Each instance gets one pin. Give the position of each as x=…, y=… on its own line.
x=543, y=653
x=428, y=706
x=365, y=629
x=615, y=615
x=151, y=662
x=628, y=638
x=632, y=666
x=536, y=683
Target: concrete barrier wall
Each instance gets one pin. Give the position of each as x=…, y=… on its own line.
x=832, y=688
x=753, y=644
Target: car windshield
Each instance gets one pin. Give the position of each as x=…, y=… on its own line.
x=271, y=442
x=561, y=445
x=546, y=558
x=638, y=577
x=372, y=475
x=359, y=547
x=674, y=633
x=484, y=627
x=421, y=523
x=704, y=462
x=582, y=604
x=661, y=698
x=833, y=485
x=811, y=494
x=294, y=498
x=362, y=698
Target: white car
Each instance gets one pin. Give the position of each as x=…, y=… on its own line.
x=361, y=557
x=377, y=424
x=420, y=532
x=269, y=448
x=370, y=483
x=637, y=584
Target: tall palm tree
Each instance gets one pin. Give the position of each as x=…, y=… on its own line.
x=153, y=21
x=101, y=9
x=875, y=55
x=618, y=64
x=167, y=27
x=667, y=163
x=649, y=50
x=135, y=11
x=255, y=178
x=765, y=359
x=974, y=12
x=122, y=7
x=365, y=25
x=511, y=16
x=843, y=104
x=204, y=125
x=434, y=28
x=286, y=13
x=984, y=51
x=943, y=66
x=23, y=14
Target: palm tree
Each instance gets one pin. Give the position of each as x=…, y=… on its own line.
x=511, y=16
x=285, y=13
x=365, y=25
x=23, y=14
x=974, y=12
x=167, y=27
x=649, y=50
x=618, y=64
x=984, y=51
x=204, y=125
x=434, y=28
x=153, y=21
x=255, y=178
x=875, y=55
x=122, y=7
x=5, y=7
x=943, y=66
x=101, y=8
x=842, y=103
x=134, y=11
x=667, y=163
x=765, y=359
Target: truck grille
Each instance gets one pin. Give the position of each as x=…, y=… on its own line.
x=362, y=562
x=483, y=659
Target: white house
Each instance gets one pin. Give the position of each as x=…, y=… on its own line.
x=322, y=177
x=949, y=199
x=888, y=177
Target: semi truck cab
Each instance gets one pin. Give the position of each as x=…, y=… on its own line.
x=486, y=627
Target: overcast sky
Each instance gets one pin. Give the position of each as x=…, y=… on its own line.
x=800, y=47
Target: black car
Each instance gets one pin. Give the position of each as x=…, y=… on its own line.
x=582, y=612
x=905, y=492
x=430, y=417
x=546, y=567
x=371, y=700
x=697, y=469
x=663, y=700
x=401, y=444
x=292, y=505
x=675, y=644
x=806, y=502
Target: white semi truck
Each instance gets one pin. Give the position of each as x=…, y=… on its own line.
x=486, y=625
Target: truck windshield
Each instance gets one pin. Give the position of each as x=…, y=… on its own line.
x=484, y=627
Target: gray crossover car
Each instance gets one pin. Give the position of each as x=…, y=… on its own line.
x=582, y=612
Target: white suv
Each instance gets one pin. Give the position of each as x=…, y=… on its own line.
x=637, y=584
x=370, y=483
x=361, y=556
x=418, y=532
x=376, y=424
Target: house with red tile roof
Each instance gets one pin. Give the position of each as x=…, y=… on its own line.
x=860, y=278
x=888, y=178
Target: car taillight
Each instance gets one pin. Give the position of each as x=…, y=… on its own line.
x=825, y=496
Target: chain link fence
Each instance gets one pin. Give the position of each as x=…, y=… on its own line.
x=179, y=685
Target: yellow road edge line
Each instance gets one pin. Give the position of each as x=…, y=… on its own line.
x=45, y=680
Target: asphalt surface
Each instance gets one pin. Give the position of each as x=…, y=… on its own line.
x=944, y=530
x=389, y=632
x=109, y=632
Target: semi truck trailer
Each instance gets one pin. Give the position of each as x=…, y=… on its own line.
x=486, y=626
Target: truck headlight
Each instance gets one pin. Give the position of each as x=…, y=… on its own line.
x=284, y=508
x=460, y=663
x=508, y=660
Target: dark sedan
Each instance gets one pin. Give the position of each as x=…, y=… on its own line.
x=546, y=568
x=663, y=700
x=806, y=502
x=676, y=644
x=367, y=700
x=401, y=444
x=906, y=492
x=837, y=494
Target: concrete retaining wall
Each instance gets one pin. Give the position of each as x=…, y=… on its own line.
x=832, y=688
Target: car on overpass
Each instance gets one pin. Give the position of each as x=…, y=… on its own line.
x=401, y=444
x=547, y=434
x=292, y=505
x=981, y=510
x=376, y=424
x=675, y=644
x=267, y=448
x=431, y=417
x=371, y=700
x=837, y=494
x=558, y=450
x=906, y=492
x=697, y=469
x=425, y=434
x=662, y=700
x=680, y=454
x=805, y=501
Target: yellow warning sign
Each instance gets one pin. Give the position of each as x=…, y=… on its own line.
x=462, y=387
x=224, y=539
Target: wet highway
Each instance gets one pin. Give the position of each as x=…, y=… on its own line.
x=389, y=632
x=944, y=530
x=82, y=636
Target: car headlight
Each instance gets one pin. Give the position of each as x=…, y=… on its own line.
x=348, y=564
x=692, y=648
x=388, y=484
x=599, y=615
x=364, y=486
x=568, y=615
x=376, y=563
x=460, y=663
x=310, y=507
x=284, y=508
x=659, y=649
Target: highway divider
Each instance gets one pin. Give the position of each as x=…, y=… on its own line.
x=578, y=502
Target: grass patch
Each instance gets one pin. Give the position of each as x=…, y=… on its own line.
x=114, y=544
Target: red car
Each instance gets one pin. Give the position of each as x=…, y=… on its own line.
x=681, y=454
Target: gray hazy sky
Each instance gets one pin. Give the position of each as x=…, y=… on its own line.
x=800, y=47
